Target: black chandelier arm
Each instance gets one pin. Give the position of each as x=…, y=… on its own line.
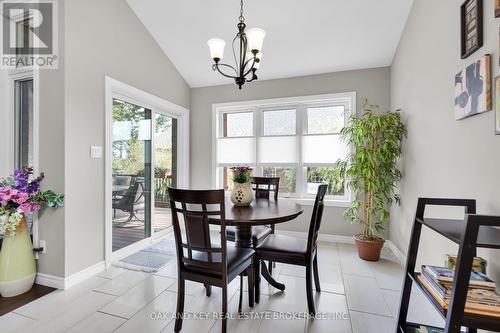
x=251, y=68
x=216, y=67
x=234, y=55
x=254, y=76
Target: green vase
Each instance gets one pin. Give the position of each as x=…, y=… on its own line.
x=17, y=262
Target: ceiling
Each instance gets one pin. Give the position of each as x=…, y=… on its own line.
x=303, y=37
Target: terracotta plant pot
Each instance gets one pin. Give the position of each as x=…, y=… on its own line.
x=369, y=249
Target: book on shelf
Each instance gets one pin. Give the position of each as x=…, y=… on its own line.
x=479, y=301
x=446, y=275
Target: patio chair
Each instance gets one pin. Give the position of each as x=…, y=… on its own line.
x=132, y=201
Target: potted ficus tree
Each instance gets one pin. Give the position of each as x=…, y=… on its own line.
x=372, y=172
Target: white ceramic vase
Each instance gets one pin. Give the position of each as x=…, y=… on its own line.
x=242, y=194
x=17, y=262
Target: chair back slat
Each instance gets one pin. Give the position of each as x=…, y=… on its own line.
x=317, y=215
x=265, y=185
x=195, y=249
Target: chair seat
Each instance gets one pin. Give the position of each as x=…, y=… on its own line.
x=236, y=256
x=258, y=234
x=282, y=248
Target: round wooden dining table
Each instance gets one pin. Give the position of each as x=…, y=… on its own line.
x=260, y=212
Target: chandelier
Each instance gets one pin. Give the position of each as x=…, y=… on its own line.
x=247, y=47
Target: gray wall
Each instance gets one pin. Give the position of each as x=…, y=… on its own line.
x=102, y=38
x=442, y=157
x=370, y=83
x=52, y=226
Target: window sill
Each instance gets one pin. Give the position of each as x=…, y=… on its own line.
x=327, y=203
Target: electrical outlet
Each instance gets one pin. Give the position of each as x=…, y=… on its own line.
x=43, y=244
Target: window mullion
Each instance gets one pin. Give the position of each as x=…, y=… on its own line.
x=301, y=124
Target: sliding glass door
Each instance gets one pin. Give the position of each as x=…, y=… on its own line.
x=165, y=173
x=131, y=173
x=143, y=167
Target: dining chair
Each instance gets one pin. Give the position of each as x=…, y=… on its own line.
x=263, y=186
x=295, y=251
x=199, y=258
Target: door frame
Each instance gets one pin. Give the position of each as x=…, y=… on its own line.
x=115, y=89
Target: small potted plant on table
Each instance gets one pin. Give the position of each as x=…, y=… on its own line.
x=372, y=172
x=20, y=195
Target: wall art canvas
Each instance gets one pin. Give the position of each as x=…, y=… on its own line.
x=497, y=105
x=471, y=24
x=497, y=8
x=473, y=89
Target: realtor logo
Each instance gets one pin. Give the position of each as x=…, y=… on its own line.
x=28, y=34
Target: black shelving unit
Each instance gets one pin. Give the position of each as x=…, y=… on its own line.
x=475, y=231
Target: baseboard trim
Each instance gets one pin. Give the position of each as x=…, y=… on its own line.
x=346, y=240
x=49, y=280
x=71, y=280
x=394, y=249
x=322, y=237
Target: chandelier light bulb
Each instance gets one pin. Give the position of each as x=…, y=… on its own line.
x=255, y=38
x=216, y=46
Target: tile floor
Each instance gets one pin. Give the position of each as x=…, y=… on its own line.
x=364, y=296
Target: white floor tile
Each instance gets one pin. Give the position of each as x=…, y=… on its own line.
x=365, y=322
x=292, y=299
x=328, y=253
x=112, y=272
x=332, y=315
x=97, y=322
x=293, y=270
x=389, y=275
x=122, y=283
x=59, y=299
x=420, y=310
x=248, y=322
x=330, y=278
x=170, y=270
x=69, y=315
x=136, y=298
x=350, y=261
x=13, y=323
x=363, y=294
x=130, y=301
x=279, y=322
x=155, y=316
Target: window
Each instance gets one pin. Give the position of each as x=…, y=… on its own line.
x=24, y=120
x=295, y=139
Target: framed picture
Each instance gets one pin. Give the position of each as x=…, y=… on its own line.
x=497, y=8
x=497, y=105
x=473, y=89
x=471, y=21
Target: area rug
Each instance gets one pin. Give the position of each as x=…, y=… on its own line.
x=151, y=259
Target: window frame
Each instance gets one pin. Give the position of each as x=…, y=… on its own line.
x=300, y=105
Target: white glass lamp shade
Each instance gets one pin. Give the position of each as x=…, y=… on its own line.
x=255, y=37
x=216, y=46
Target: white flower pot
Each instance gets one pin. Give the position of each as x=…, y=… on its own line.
x=242, y=194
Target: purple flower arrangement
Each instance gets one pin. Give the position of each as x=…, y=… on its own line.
x=20, y=194
x=242, y=174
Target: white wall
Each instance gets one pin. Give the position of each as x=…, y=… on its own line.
x=6, y=130
x=102, y=38
x=442, y=157
x=370, y=83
